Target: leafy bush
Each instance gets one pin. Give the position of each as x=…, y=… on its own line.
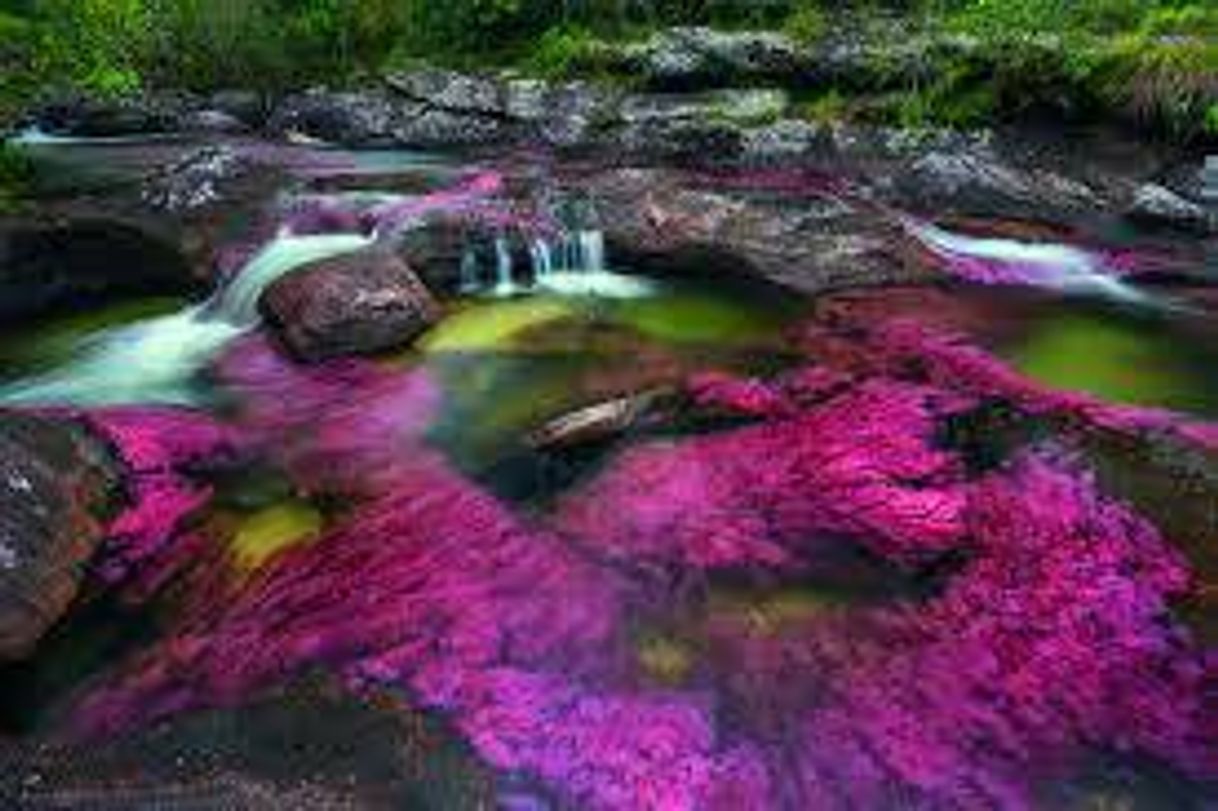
x=565, y=51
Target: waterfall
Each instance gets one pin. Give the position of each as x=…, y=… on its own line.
x=237, y=302
x=470, y=279
x=155, y=360
x=991, y=260
x=505, y=285
x=576, y=266
x=543, y=260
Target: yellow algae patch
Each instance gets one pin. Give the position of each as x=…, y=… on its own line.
x=685, y=317
x=493, y=326
x=263, y=534
x=664, y=659
x=767, y=614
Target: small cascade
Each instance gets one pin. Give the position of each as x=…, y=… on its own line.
x=543, y=260
x=237, y=302
x=155, y=360
x=470, y=277
x=576, y=265
x=991, y=260
x=505, y=284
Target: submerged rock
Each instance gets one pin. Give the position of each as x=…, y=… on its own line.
x=56, y=485
x=352, y=304
x=309, y=745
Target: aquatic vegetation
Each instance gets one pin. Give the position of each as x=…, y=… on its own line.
x=266, y=533
x=1045, y=632
x=1114, y=361
x=493, y=328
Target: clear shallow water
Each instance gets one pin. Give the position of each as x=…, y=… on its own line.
x=1122, y=355
x=348, y=577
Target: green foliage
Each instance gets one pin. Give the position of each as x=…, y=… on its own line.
x=15, y=177
x=1156, y=59
x=806, y=24
x=569, y=51
x=1210, y=124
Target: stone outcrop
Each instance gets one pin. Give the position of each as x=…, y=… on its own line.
x=811, y=240
x=353, y=304
x=48, y=264
x=56, y=484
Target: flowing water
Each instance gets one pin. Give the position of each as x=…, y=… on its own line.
x=771, y=567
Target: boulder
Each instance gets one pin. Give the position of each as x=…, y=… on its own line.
x=1157, y=206
x=451, y=91
x=687, y=58
x=86, y=117
x=975, y=179
x=193, y=181
x=805, y=238
x=354, y=304
x=45, y=265
x=57, y=483
x=358, y=119
x=247, y=106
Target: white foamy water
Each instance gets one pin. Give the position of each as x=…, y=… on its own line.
x=573, y=265
x=994, y=260
x=156, y=361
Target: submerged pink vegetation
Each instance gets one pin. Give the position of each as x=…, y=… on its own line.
x=1050, y=640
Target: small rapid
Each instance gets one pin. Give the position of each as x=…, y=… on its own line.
x=572, y=263
x=994, y=260
x=155, y=361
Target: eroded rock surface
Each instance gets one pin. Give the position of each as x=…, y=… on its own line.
x=353, y=304
x=57, y=484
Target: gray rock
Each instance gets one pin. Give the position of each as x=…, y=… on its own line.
x=353, y=304
x=308, y=747
x=357, y=119
x=193, y=181
x=247, y=106
x=451, y=91
x=214, y=122
x=82, y=116
x=47, y=265
x=56, y=485
x=743, y=106
x=683, y=58
x=811, y=241
x=425, y=127
x=1158, y=206
x=978, y=181
x=783, y=141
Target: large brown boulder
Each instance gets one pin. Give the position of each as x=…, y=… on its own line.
x=358, y=303
x=56, y=485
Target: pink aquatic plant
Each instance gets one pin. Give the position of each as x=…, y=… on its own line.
x=157, y=446
x=1049, y=638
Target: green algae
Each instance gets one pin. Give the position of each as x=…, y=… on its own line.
x=1115, y=359
x=262, y=535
